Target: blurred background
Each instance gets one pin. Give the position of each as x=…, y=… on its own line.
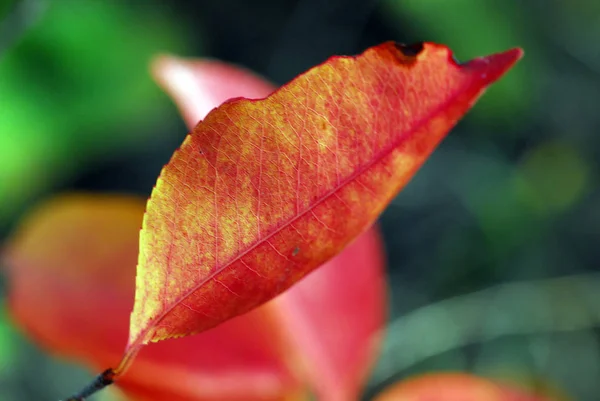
x=493, y=248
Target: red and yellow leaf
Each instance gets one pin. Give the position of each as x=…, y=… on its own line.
x=454, y=387
x=71, y=266
x=264, y=191
x=334, y=327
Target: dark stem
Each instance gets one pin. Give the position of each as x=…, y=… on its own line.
x=104, y=379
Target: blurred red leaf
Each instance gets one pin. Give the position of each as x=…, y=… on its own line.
x=264, y=191
x=72, y=271
x=72, y=268
x=453, y=387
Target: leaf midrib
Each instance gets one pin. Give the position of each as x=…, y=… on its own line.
x=382, y=154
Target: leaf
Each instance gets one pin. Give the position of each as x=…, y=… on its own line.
x=198, y=86
x=72, y=267
x=453, y=387
x=334, y=329
x=262, y=192
x=73, y=292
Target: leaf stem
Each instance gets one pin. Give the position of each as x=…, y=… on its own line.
x=104, y=379
x=126, y=361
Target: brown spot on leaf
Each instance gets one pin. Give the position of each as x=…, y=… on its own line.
x=412, y=50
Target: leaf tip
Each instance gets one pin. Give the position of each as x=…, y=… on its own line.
x=507, y=58
x=167, y=69
x=495, y=65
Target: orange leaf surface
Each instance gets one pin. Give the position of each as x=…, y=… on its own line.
x=264, y=191
x=453, y=387
x=334, y=328
x=72, y=273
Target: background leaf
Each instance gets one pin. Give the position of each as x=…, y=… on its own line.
x=454, y=387
x=320, y=334
x=198, y=86
x=82, y=283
